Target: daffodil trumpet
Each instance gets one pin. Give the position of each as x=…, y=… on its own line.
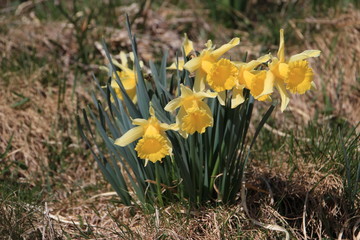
x=194, y=114
x=153, y=145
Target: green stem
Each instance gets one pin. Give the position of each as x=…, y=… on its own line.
x=214, y=172
x=158, y=186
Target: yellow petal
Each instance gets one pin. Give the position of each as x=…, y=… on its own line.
x=123, y=58
x=196, y=121
x=248, y=78
x=193, y=64
x=139, y=121
x=173, y=105
x=179, y=118
x=300, y=77
x=222, y=76
x=304, y=55
x=208, y=44
x=130, y=136
x=177, y=65
x=103, y=68
x=153, y=147
x=285, y=99
x=188, y=45
x=165, y=126
x=281, y=51
x=185, y=91
x=262, y=85
x=199, y=84
x=283, y=70
x=268, y=84
x=254, y=63
x=237, y=97
x=222, y=97
x=207, y=94
x=151, y=110
x=224, y=48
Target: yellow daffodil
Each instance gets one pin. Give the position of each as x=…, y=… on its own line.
x=194, y=114
x=203, y=64
x=261, y=85
x=247, y=78
x=294, y=75
x=188, y=48
x=127, y=77
x=154, y=145
x=222, y=76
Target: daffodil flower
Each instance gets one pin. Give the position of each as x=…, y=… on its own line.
x=202, y=64
x=127, y=77
x=294, y=75
x=154, y=145
x=194, y=114
x=222, y=76
x=188, y=48
x=258, y=83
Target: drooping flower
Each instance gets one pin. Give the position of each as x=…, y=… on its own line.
x=202, y=64
x=127, y=77
x=188, y=48
x=194, y=114
x=248, y=78
x=294, y=75
x=154, y=145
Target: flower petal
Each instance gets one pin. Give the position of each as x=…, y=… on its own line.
x=123, y=58
x=173, y=105
x=139, y=121
x=285, y=99
x=268, y=84
x=130, y=136
x=304, y=55
x=177, y=65
x=188, y=45
x=193, y=64
x=237, y=97
x=207, y=94
x=221, y=97
x=226, y=47
x=185, y=91
x=281, y=51
x=199, y=84
x=254, y=63
x=165, y=126
x=179, y=118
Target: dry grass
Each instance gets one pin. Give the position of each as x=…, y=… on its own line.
x=74, y=203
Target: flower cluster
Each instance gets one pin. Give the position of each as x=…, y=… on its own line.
x=226, y=79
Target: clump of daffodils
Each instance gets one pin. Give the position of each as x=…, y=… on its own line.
x=215, y=76
x=186, y=137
